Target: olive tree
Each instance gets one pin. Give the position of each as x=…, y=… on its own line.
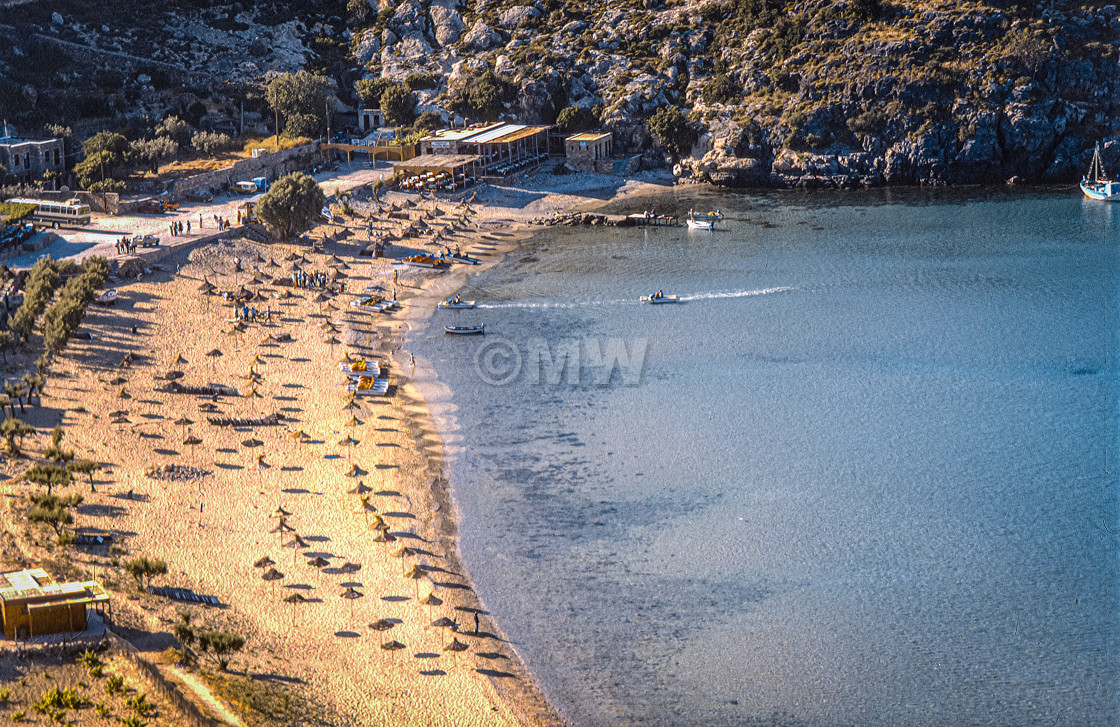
x=291, y=205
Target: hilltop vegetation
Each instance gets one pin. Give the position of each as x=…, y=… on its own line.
x=775, y=92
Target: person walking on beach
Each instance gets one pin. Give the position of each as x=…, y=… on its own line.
x=476, y=623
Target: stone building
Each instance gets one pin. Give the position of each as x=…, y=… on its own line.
x=30, y=160
x=589, y=152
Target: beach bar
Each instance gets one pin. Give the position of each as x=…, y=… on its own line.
x=33, y=604
x=502, y=148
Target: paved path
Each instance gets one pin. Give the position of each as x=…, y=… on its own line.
x=101, y=235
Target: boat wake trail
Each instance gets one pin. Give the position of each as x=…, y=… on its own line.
x=581, y=304
x=633, y=301
x=736, y=293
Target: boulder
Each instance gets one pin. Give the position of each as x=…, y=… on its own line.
x=481, y=36
x=257, y=48
x=57, y=19
x=517, y=16
x=447, y=21
x=367, y=47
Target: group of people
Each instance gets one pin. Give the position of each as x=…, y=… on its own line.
x=253, y=314
x=126, y=246
x=177, y=228
x=220, y=222
x=317, y=280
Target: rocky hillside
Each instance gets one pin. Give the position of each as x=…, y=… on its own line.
x=796, y=92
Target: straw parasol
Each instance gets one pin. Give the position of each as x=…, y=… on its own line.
x=382, y=624
x=122, y=394
x=383, y=536
x=353, y=421
x=359, y=489
x=456, y=645
x=252, y=443
x=296, y=542
x=349, y=567
x=365, y=508
x=192, y=441
x=183, y=422
x=431, y=600
x=392, y=646
x=179, y=360
x=264, y=562
x=214, y=355
x=351, y=594
x=280, y=512
x=403, y=552
x=318, y=563
x=299, y=434
x=444, y=622
x=355, y=471
x=416, y=574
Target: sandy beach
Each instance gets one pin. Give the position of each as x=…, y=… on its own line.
x=337, y=469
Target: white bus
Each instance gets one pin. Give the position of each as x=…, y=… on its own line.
x=70, y=212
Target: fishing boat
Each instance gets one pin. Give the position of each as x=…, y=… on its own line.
x=657, y=299
x=456, y=303
x=466, y=330
x=422, y=261
x=109, y=297
x=704, y=221
x=1096, y=184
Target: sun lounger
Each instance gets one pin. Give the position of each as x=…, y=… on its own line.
x=265, y=421
x=367, y=386
x=183, y=594
x=363, y=367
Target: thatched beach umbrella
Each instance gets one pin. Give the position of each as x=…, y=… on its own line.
x=122, y=394
x=252, y=442
x=349, y=567
x=280, y=512
x=359, y=489
x=320, y=299
x=404, y=552
x=264, y=562
x=214, y=355
x=365, y=508
x=296, y=542
x=382, y=624
x=319, y=563
x=352, y=403
x=392, y=646
x=445, y=623
x=272, y=575
x=350, y=594
x=192, y=441
x=253, y=394
x=353, y=421
x=183, y=422
x=383, y=536
x=355, y=471
x=431, y=601
x=299, y=434
x=378, y=523
x=456, y=645
x=415, y=575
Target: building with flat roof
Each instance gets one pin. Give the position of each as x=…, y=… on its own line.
x=33, y=604
x=590, y=152
x=30, y=160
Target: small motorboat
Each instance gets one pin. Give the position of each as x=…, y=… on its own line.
x=456, y=303
x=109, y=297
x=466, y=330
x=422, y=261
x=465, y=259
x=656, y=299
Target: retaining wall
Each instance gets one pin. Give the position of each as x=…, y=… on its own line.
x=272, y=165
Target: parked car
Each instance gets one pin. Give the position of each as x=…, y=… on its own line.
x=146, y=241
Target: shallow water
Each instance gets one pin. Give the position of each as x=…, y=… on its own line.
x=864, y=474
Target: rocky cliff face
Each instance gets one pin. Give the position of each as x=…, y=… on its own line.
x=777, y=92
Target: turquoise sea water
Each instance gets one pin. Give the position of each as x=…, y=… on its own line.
x=867, y=474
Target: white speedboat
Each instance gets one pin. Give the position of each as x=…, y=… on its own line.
x=660, y=299
x=466, y=330
x=1096, y=184
x=456, y=304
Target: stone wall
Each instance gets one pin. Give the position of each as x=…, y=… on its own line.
x=267, y=165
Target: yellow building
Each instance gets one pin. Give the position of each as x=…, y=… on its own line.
x=33, y=604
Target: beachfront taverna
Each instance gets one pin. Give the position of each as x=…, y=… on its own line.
x=33, y=604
